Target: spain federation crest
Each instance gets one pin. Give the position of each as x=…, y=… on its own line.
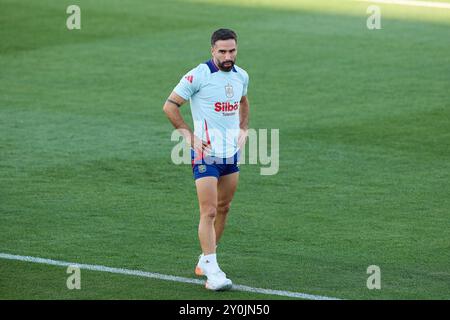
x=229, y=91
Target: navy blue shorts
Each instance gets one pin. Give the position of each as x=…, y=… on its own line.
x=213, y=166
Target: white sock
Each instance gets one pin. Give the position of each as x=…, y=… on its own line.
x=209, y=262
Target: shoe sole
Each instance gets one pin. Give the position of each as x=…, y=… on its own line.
x=224, y=287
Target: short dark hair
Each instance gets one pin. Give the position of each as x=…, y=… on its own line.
x=223, y=34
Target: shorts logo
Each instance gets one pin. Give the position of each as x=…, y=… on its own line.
x=202, y=168
x=229, y=91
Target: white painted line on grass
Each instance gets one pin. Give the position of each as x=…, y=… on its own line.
x=159, y=276
x=426, y=4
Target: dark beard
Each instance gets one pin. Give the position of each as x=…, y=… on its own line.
x=226, y=69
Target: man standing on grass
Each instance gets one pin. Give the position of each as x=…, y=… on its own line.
x=217, y=90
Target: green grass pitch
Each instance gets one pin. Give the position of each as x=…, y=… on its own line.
x=364, y=120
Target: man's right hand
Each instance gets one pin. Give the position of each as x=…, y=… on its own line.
x=200, y=146
x=171, y=108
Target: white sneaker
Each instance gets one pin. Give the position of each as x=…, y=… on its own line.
x=218, y=281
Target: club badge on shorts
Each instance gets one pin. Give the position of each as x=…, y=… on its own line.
x=229, y=91
x=202, y=168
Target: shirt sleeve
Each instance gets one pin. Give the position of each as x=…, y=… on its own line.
x=189, y=84
x=244, y=89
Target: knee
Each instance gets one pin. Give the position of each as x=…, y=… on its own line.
x=224, y=208
x=208, y=211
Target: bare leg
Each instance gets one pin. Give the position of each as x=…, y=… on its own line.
x=225, y=191
x=207, y=199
